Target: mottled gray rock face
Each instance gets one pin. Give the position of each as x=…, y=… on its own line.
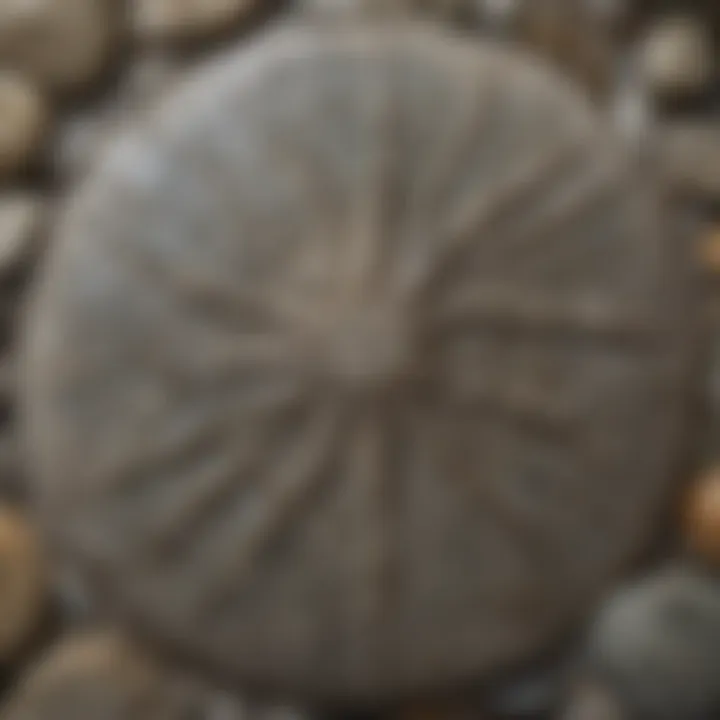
x=345, y=360
x=658, y=644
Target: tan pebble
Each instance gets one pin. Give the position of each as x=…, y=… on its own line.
x=677, y=57
x=22, y=582
x=173, y=20
x=21, y=219
x=24, y=121
x=63, y=44
x=97, y=675
x=702, y=517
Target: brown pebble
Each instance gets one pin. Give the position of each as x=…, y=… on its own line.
x=676, y=57
x=98, y=675
x=63, y=44
x=702, y=517
x=22, y=579
x=21, y=218
x=174, y=20
x=24, y=120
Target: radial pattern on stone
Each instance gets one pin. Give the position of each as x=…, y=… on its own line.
x=357, y=368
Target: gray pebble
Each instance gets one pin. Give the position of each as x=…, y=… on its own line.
x=658, y=644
